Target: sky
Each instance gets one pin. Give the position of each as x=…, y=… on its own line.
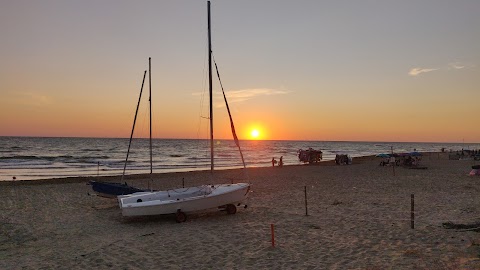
x=404, y=71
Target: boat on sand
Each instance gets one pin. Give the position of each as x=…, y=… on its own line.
x=184, y=200
x=113, y=189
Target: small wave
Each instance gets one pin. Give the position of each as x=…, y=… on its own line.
x=20, y=157
x=89, y=159
x=346, y=151
x=30, y=158
x=199, y=158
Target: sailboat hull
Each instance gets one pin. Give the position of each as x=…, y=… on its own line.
x=183, y=199
x=111, y=189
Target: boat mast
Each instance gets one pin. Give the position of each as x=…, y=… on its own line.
x=150, y=100
x=133, y=127
x=210, y=87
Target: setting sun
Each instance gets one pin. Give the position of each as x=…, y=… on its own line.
x=255, y=134
x=256, y=131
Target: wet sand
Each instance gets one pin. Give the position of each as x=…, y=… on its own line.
x=359, y=218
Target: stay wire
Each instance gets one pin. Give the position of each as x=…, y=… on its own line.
x=237, y=142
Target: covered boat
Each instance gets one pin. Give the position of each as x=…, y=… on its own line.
x=112, y=189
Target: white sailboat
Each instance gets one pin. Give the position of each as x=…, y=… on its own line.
x=184, y=200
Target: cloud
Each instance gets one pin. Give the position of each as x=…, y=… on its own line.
x=418, y=71
x=451, y=66
x=460, y=65
x=237, y=96
x=29, y=99
x=456, y=65
x=246, y=94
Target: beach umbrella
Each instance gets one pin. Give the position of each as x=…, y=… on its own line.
x=383, y=155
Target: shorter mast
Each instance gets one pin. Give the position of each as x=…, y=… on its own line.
x=133, y=128
x=150, y=100
x=210, y=87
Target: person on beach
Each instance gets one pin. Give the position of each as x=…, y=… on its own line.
x=273, y=162
x=392, y=160
x=280, y=163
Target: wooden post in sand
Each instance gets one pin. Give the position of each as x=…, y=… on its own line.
x=412, y=211
x=273, y=234
x=306, y=205
x=393, y=165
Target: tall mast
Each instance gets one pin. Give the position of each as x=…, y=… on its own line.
x=150, y=100
x=210, y=87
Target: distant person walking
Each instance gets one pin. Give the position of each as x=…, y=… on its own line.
x=280, y=163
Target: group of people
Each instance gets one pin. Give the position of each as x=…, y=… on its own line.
x=390, y=161
x=280, y=163
x=406, y=160
x=310, y=155
x=343, y=159
x=464, y=154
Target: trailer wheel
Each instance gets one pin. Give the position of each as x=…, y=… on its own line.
x=180, y=216
x=231, y=209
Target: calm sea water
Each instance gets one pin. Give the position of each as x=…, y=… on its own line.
x=27, y=158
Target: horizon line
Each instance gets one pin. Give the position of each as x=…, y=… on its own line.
x=223, y=139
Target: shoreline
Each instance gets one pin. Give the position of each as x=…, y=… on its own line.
x=81, y=179
x=128, y=177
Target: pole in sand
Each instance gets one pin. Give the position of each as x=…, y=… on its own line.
x=393, y=165
x=273, y=234
x=306, y=205
x=412, y=211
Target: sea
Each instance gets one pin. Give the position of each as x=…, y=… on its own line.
x=34, y=158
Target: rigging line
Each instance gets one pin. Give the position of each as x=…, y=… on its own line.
x=202, y=102
x=204, y=82
x=143, y=133
x=235, y=138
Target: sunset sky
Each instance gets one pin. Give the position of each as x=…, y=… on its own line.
x=292, y=70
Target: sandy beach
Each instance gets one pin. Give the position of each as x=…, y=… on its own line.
x=359, y=218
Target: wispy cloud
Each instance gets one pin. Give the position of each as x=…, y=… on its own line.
x=237, y=96
x=418, y=71
x=451, y=66
x=30, y=99
x=456, y=65
x=246, y=94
